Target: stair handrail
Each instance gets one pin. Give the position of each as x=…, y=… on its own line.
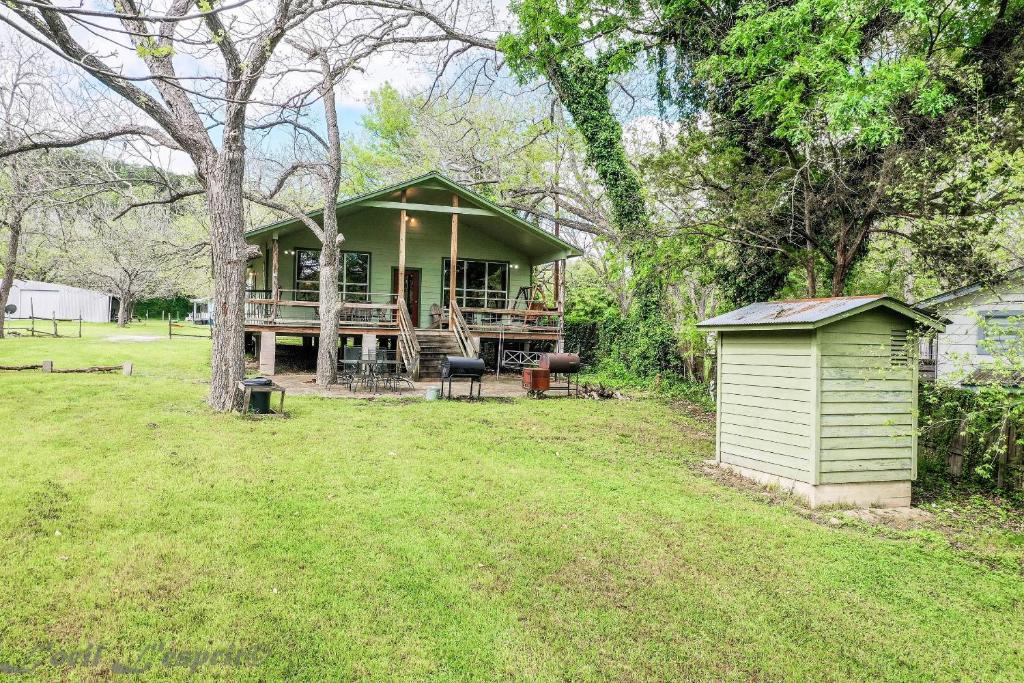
x=461, y=330
x=408, y=344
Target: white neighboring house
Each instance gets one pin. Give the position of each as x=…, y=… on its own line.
x=48, y=300
x=961, y=345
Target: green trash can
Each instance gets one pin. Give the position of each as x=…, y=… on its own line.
x=259, y=401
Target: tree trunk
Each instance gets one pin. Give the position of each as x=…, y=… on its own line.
x=123, y=310
x=839, y=274
x=10, y=262
x=327, y=353
x=227, y=233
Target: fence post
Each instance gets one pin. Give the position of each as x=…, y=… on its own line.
x=55, y=324
x=170, y=332
x=79, y=324
x=32, y=316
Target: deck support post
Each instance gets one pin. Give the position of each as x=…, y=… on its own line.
x=369, y=341
x=268, y=352
x=452, y=263
x=275, y=284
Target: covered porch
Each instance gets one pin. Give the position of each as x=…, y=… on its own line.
x=426, y=255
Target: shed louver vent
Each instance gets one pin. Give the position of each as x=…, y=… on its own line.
x=899, y=355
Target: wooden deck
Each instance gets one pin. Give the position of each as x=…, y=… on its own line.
x=379, y=314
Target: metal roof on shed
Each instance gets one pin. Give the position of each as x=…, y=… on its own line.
x=808, y=313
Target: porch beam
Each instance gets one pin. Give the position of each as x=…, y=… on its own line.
x=435, y=208
x=452, y=263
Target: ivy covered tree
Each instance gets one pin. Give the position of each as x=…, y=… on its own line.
x=579, y=49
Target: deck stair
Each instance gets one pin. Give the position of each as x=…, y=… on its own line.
x=434, y=346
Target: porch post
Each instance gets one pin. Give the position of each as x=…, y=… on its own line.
x=275, y=286
x=400, y=290
x=452, y=263
x=559, y=289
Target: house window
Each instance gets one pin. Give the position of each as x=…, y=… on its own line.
x=998, y=331
x=478, y=284
x=307, y=274
x=353, y=275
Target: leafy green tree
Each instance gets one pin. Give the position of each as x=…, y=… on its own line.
x=858, y=118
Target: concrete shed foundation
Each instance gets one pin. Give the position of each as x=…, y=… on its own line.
x=882, y=494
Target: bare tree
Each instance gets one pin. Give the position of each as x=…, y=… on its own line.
x=324, y=166
x=149, y=253
x=235, y=43
x=34, y=181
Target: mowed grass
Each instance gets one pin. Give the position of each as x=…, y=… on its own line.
x=406, y=540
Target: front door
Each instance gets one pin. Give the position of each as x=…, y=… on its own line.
x=412, y=291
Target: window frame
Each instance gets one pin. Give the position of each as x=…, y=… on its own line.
x=487, y=292
x=999, y=343
x=342, y=280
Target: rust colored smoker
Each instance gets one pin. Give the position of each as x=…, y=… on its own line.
x=565, y=366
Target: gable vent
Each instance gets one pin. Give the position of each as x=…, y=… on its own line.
x=899, y=353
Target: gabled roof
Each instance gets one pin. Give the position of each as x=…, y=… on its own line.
x=809, y=313
x=966, y=290
x=530, y=237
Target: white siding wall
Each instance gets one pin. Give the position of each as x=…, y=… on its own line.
x=767, y=402
x=957, y=347
x=46, y=300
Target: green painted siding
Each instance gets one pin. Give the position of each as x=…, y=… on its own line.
x=766, y=402
x=427, y=245
x=867, y=401
x=823, y=406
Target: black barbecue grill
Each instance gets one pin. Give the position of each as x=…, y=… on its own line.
x=566, y=365
x=458, y=367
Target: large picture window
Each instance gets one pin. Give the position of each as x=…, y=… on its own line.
x=478, y=284
x=353, y=275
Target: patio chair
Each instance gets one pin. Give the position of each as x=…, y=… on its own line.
x=348, y=364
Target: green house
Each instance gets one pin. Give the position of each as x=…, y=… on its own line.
x=819, y=396
x=396, y=283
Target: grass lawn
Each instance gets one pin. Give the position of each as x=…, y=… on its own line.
x=406, y=540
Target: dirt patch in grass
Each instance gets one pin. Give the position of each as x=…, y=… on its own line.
x=134, y=338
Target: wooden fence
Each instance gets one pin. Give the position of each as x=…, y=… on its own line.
x=1008, y=469
x=188, y=330
x=46, y=328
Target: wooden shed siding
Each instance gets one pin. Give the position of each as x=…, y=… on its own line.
x=867, y=406
x=766, y=399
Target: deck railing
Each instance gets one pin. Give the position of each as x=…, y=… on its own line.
x=461, y=330
x=379, y=310
x=407, y=342
x=302, y=307
x=497, y=320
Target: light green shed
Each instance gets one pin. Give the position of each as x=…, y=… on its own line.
x=820, y=396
